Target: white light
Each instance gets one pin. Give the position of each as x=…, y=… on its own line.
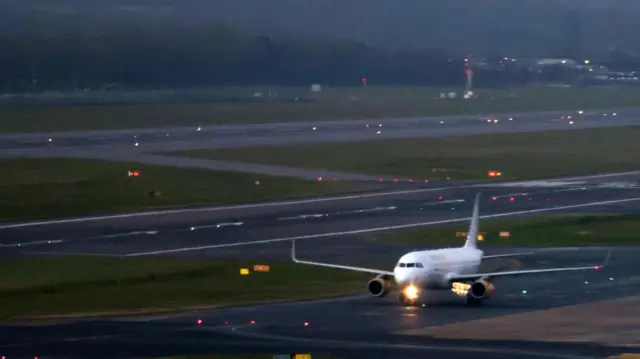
x=614, y=114
x=571, y=122
x=379, y=132
x=314, y=128
x=510, y=118
x=199, y=129
x=50, y=139
x=441, y=122
x=380, y=125
x=136, y=144
x=411, y=292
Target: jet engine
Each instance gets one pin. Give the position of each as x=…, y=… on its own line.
x=481, y=289
x=379, y=286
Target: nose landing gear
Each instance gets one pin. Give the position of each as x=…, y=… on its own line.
x=404, y=300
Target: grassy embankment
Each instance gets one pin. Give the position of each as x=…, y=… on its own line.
x=544, y=231
x=40, y=287
x=45, y=188
x=516, y=155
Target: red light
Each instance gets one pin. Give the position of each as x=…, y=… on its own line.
x=494, y=198
x=380, y=180
x=440, y=198
x=596, y=267
x=529, y=198
x=426, y=181
x=253, y=322
x=548, y=199
x=226, y=323
x=364, y=80
x=512, y=199
x=199, y=321
x=395, y=180
x=319, y=178
x=306, y=324
x=410, y=179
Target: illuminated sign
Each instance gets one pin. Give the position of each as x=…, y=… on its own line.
x=301, y=356
x=134, y=173
x=261, y=268
x=505, y=234
x=494, y=174
x=244, y=271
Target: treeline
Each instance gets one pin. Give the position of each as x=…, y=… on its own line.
x=217, y=55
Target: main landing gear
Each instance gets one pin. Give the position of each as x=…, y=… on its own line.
x=473, y=301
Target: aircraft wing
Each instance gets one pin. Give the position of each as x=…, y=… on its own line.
x=507, y=255
x=337, y=266
x=490, y=275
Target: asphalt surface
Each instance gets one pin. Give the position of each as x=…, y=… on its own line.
x=161, y=139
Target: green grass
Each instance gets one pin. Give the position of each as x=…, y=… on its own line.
x=43, y=188
x=547, y=231
x=331, y=104
x=80, y=285
x=519, y=155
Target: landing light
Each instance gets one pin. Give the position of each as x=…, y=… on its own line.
x=411, y=292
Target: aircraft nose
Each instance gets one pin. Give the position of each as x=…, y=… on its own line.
x=400, y=275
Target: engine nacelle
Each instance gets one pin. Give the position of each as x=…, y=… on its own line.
x=481, y=289
x=379, y=286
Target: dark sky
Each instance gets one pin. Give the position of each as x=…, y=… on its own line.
x=525, y=26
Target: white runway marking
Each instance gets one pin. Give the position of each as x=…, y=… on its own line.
x=379, y=229
x=285, y=203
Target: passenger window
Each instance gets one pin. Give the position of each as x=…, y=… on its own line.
x=401, y=265
x=410, y=265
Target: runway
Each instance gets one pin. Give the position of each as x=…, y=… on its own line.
x=231, y=230
x=228, y=136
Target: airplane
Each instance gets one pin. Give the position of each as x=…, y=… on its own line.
x=454, y=269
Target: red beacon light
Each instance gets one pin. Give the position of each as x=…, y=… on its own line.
x=306, y=324
x=319, y=178
x=253, y=322
x=199, y=321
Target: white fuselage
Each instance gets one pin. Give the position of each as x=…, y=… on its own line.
x=432, y=269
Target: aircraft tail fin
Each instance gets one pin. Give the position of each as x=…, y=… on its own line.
x=472, y=233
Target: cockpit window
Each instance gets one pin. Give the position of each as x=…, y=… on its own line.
x=410, y=265
x=419, y=265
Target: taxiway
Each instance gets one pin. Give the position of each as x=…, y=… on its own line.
x=352, y=326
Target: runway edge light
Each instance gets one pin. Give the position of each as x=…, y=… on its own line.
x=244, y=271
